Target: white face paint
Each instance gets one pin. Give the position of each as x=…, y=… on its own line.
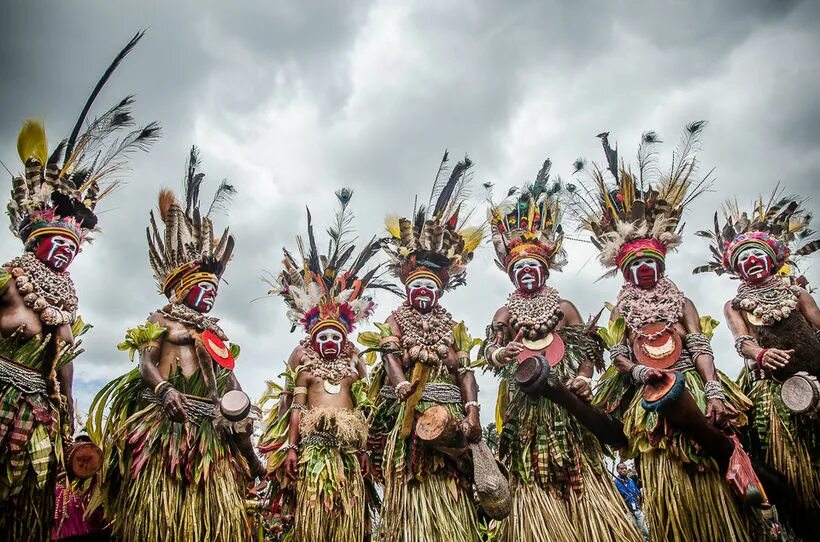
x=528, y=274
x=206, y=296
x=329, y=342
x=58, y=251
x=422, y=293
x=754, y=263
x=644, y=272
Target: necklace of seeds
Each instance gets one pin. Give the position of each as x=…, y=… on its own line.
x=771, y=301
x=48, y=293
x=187, y=315
x=663, y=303
x=537, y=313
x=329, y=370
x=427, y=338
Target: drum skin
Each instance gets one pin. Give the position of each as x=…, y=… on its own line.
x=801, y=393
x=84, y=459
x=235, y=405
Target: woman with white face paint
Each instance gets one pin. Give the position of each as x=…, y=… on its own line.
x=565, y=496
x=775, y=323
x=425, y=371
x=52, y=212
x=179, y=425
x=679, y=412
x=319, y=420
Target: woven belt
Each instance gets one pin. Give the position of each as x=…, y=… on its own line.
x=24, y=379
x=196, y=410
x=321, y=438
x=435, y=392
x=684, y=362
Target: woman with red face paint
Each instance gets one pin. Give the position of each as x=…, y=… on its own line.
x=679, y=412
x=52, y=212
x=562, y=488
x=324, y=423
x=775, y=323
x=425, y=369
x=177, y=442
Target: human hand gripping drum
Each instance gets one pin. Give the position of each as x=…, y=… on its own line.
x=53, y=212
x=775, y=321
x=179, y=424
x=686, y=412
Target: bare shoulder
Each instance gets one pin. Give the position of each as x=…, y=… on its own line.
x=158, y=318
x=502, y=314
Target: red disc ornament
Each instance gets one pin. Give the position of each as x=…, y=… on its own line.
x=657, y=346
x=551, y=347
x=217, y=349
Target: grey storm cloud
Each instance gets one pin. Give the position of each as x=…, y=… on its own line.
x=293, y=100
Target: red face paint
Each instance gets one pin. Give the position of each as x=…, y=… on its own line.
x=329, y=343
x=644, y=272
x=528, y=275
x=423, y=294
x=754, y=264
x=201, y=297
x=56, y=251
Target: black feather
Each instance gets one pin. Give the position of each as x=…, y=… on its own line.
x=72, y=140
x=447, y=191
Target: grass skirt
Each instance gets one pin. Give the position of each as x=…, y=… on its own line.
x=685, y=496
x=163, y=480
x=787, y=442
x=330, y=492
x=425, y=497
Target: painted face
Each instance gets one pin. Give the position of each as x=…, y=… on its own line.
x=329, y=343
x=528, y=274
x=201, y=297
x=56, y=251
x=423, y=294
x=754, y=264
x=644, y=272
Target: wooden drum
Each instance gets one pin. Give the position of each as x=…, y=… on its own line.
x=801, y=393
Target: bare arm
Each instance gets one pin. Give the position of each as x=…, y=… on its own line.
x=808, y=308
x=65, y=376
x=294, y=360
x=622, y=363
x=173, y=402
x=704, y=363
x=300, y=398
x=393, y=365
x=243, y=440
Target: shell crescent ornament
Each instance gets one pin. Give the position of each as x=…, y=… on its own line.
x=657, y=347
x=332, y=389
x=551, y=347
x=218, y=350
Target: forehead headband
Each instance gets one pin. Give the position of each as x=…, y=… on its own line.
x=525, y=251
x=325, y=324
x=642, y=248
x=53, y=230
x=424, y=274
x=757, y=243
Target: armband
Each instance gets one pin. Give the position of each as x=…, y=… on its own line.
x=739, y=343
x=714, y=390
x=469, y=404
x=620, y=350
x=698, y=345
x=300, y=390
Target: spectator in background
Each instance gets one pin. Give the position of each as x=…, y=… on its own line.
x=632, y=495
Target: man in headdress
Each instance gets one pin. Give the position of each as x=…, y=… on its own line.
x=559, y=482
x=426, y=366
x=52, y=212
x=663, y=383
x=177, y=454
x=322, y=446
x=775, y=323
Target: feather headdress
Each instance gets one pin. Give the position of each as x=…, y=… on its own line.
x=640, y=215
x=331, y=287
x=187, y=252
x=435, y=240
x=777, y=225
x=527, y=224
x=59, y=191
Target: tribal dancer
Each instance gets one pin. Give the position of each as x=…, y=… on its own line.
x=559, y=482
x=775, y=325
x=52, y=212
x=681, y=450
x=324, y=447
x=176, y=463
x=426, y=497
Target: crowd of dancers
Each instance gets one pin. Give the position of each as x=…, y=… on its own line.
x=377, y=435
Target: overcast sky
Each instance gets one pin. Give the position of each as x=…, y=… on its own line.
x=294, y=100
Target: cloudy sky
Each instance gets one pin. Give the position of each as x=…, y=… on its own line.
x=293, y=100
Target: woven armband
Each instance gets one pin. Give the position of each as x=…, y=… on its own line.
x=698, y=345
x=620, y=350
